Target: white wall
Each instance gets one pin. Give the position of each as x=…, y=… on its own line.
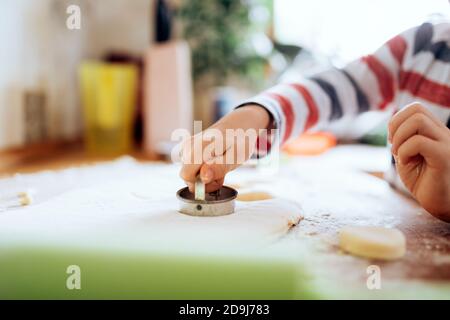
x=348, y=29
x=37, y=51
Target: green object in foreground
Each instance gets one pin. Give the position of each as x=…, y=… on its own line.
x=42, y=274
x=38, y=273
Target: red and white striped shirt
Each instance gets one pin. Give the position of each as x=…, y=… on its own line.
x=413, y=66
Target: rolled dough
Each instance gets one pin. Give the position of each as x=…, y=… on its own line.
x=373, y=242
x=104, y=209
x=254, y=196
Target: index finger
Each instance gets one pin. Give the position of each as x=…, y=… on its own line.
x=198, y=150
x=409, y=111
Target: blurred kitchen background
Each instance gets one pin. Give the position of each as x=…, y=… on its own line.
x=121, y=75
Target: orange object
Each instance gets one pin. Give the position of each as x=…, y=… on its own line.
x=310, y=144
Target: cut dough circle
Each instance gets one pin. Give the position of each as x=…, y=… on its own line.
x=254, y=196
x=373, y=242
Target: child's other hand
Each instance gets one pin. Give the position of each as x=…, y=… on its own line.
x=212, y=155
x=421, y=147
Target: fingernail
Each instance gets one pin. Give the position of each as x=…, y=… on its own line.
x=394, y=152
x=207, y=176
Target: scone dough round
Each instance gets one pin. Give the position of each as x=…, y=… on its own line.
x=373, y=242
x=254, y=196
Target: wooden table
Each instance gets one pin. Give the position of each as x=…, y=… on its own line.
x=341, y=201
x=55, y=156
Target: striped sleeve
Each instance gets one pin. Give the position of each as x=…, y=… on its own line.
x=369, y=83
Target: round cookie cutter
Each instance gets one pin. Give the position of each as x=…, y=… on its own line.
x=218, y=203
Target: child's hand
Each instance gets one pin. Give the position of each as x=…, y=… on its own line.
x=214, y=158
x=421, y=147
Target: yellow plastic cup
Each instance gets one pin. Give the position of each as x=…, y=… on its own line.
x=109, y=96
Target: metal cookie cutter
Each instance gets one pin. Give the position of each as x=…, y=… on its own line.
x=214, y=204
